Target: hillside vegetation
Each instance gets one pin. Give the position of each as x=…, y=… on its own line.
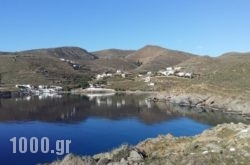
x=42, y=66
x=228, y=72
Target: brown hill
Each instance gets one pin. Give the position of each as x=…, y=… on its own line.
x=199, y=64
x=103, y=65
x=43, y=66
x=72, y=53
x=229, y=70
x=232, y=54
x=112, y=53
x=154, y=58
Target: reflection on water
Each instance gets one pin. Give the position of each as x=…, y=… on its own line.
x=76, y=108
x=94, y=123
x=40, y=96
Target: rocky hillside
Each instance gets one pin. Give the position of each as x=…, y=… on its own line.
x=224, y=144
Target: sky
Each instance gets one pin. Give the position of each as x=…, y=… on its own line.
x=204, y=27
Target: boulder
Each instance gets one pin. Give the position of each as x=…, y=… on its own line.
x=135, y=156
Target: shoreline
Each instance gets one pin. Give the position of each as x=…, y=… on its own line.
x=206, y=102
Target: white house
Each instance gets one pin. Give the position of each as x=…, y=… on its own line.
x=181, y=74
x=98, y=77
x=163, y=72
x=189, y=75
x=123, y=75
x=169, y=68
x=147, y=79
x=170, y=72
x=109, y=74
x=149, y=73
x=118, y=72
x=177, y=69
x=151, y=84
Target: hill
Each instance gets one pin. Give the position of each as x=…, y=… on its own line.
x=154, y=58
x=225, y=55
x=72, y=53
x=229, y=70
x=109, y=65
x=112, y=53
x=43, y=66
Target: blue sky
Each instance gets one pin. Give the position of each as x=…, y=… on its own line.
x=205, y=27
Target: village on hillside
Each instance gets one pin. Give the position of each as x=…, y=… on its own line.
x=147, y=77
x=97, y=85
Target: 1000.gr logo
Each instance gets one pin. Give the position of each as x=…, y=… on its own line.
x=62, y=146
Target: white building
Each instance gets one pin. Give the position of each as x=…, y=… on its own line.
x=169, y=68
x=151, y=84
x=147, y=79
x=149, y=73
x=118, y=72
x=123, y=75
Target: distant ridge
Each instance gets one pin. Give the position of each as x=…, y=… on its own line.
x=235, y=54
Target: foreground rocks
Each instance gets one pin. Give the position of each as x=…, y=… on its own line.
x=224, y=144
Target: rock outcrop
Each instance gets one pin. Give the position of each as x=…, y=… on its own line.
x=208, y=102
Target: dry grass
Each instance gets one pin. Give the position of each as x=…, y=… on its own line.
x=34, y=69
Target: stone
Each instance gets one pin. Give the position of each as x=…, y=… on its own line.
x=123, y=162
x=103, y=161
x=135, y=156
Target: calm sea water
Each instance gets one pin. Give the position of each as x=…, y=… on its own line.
x=94, y=124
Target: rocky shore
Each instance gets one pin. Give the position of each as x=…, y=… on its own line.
x=224, y=144
x=208, y=102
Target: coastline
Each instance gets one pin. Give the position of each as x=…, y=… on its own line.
x=209, y=102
